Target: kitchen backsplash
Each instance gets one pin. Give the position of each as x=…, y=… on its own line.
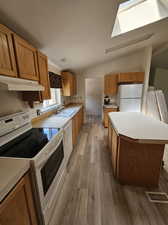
x=11, y=102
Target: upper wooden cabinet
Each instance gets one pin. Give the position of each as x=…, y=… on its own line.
x=43, y=75
x=69, y=84
x=110, y=84
x=26, y=56
x=7, y=57
x=131, y=77
x=18, y=207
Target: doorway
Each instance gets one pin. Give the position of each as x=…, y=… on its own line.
x=94, y=96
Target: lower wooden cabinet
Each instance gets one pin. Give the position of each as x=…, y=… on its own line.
x=105, y=115
x=18, y=207
x=134, y=163
x=113, y=147
x=77, y=123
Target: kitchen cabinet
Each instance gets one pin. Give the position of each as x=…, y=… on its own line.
x=105, y=115
x=7, y=57
x=110, y=84
x=131, y=77
x=69, y=84
x=26, y=58
x=18, y=207
x=135, y=161
x=43, y=75
x=77, y=123
x=113, y=147
x=32, y=96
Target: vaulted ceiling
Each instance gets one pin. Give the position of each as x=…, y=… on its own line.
x=75, y=33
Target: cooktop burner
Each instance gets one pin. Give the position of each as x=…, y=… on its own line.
x=28, y=144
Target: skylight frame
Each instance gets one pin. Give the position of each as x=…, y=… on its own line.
x=130, y=5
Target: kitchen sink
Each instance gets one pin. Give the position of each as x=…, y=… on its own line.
x=66, y=113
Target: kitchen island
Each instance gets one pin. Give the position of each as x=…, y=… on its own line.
x=136, y=143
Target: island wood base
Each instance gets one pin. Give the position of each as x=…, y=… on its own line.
x=135, y=163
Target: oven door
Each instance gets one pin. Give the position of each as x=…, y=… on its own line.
x=50, y=170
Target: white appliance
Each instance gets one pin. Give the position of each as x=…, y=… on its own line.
x=44, y=148
x=130, y=97
x=68, y=145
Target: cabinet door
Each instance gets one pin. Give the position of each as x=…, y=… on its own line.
x=74, y=85
x=43, y=75
x=69, y=84
x=110, y=84
x=106, y=111
x=18, y=207
x=132, y=77
x=7, y=57
x=109, y=135
x=114, y=151
x=26, y=56
x=66, y=84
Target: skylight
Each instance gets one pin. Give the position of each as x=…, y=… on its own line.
x=133, y=14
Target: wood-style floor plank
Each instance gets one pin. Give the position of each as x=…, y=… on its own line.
x=91, y=195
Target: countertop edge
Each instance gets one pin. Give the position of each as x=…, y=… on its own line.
x=68, y=119
x=141, y=141
x=15, y=179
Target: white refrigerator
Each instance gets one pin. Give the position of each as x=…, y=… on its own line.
x=130, y=97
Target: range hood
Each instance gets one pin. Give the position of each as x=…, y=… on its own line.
x=17, y=84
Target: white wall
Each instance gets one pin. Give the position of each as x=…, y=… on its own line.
x=131, y=63
x=146, y=68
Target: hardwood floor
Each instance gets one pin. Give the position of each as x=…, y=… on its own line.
x=91, y=196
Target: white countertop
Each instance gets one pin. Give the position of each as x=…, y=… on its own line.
x=138, y=126
x=56, y=121
x=11, y=170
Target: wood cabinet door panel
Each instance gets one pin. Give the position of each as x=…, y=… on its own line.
x=132, y=77
x=7, y=57
x=18, y=207
x=74, y=85
x=69, y=84
x=66, y=84
x=26, y=59
x=106, y=118
x=114, y=151
x=109, y=135
x=110, y=84
x=43, y=75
